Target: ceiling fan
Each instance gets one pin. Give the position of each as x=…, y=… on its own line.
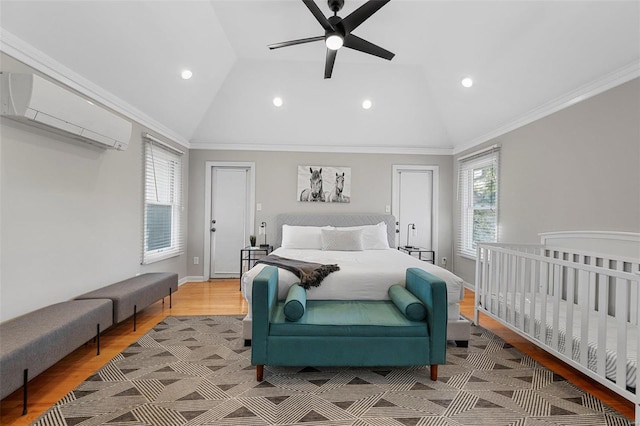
x=337, y=31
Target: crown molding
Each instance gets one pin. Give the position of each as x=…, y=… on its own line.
x=609, y=81
x=39, y=61
x=200, y=144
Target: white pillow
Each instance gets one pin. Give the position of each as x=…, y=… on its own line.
x=342, y=240
x=374, y=237
x=302, y=237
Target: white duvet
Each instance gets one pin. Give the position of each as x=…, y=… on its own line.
x=363, y=275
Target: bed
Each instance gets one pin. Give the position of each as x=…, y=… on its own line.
x=364, y=274
x=575, y=295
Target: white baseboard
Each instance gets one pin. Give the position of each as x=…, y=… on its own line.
x=196, y=279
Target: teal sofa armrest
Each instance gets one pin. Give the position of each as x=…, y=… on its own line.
x=432, y=291
x=263, y=302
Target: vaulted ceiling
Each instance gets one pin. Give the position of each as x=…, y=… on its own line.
x=527, y=59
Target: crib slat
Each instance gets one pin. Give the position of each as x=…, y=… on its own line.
x=622, y=313
x=603, y=303
x=633, y=295
x=568, y=337
x=592, y=286
x=504, y=273
x=480, y=280
x=513, y=284
x=504, y=285
x=585, y=296
x=493, y=281
x=523, y=279
x=486, y=279
x=556, y=279
x=544, y=291
x=535, y=291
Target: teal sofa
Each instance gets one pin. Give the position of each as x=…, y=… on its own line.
x=350, y=332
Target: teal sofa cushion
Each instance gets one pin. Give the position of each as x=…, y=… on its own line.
x=295, y=303
x=407, y=303
x=355, y=318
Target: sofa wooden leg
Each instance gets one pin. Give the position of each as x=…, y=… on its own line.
x=434, y=373
x=259, y=372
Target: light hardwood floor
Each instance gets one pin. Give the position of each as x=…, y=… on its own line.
x=222, y=297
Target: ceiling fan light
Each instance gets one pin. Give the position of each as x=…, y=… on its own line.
x=334, y=42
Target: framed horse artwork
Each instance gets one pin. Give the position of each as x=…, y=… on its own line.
x=324, y=184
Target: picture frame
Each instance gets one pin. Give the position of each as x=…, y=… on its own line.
x=324, y=184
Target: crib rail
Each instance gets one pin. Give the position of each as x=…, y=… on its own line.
x=580, y=306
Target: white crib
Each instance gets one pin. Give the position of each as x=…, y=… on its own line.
x=575, y=295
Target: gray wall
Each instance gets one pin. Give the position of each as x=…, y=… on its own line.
x=276, y=174
x=70, y=216
x=577, y=169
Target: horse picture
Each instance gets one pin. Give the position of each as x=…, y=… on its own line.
x=315, y=191
x=324, y=184
x=337, y=193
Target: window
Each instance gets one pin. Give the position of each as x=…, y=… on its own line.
x=163, y=231
x=478, y=195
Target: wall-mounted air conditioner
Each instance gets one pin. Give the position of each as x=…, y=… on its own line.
x=33, y=100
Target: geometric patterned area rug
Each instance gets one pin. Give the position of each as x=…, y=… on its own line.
x=196, y=371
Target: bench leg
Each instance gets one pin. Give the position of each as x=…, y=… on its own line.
x=259, y=372
x=98, y=338
x=434, y=372
x=169, y=298
x=135, y=309
x=25, y=391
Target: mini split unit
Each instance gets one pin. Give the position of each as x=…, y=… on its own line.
x=33, y=100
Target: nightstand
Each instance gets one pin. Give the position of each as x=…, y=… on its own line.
x=419, y=250
x=249, y=255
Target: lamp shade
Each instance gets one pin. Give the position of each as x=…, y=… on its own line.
x=334, y=41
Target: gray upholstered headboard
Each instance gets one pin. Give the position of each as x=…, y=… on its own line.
x=311, y=219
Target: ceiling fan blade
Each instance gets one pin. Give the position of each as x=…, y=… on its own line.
x=294, y=42
x=328, y=65
x=315, y=10
x=361, y=14
x=354, y=42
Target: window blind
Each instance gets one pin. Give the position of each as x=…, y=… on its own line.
x=163, y=230
x=478, y=183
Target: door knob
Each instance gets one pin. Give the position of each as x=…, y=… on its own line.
x=213, y=229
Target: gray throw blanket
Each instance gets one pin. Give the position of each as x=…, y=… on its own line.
x=310, y=274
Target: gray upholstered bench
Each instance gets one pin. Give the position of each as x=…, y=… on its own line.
x=136, y=293
x=35, y=341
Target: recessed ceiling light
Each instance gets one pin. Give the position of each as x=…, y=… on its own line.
x=277, y=101
x=366, y=104
x=186, y=74
x=467, y=82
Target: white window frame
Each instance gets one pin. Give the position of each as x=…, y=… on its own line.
x=466, y=168
x=162, y=186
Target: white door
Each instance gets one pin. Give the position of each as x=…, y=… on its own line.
x=230, y=226
x=415, y=205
